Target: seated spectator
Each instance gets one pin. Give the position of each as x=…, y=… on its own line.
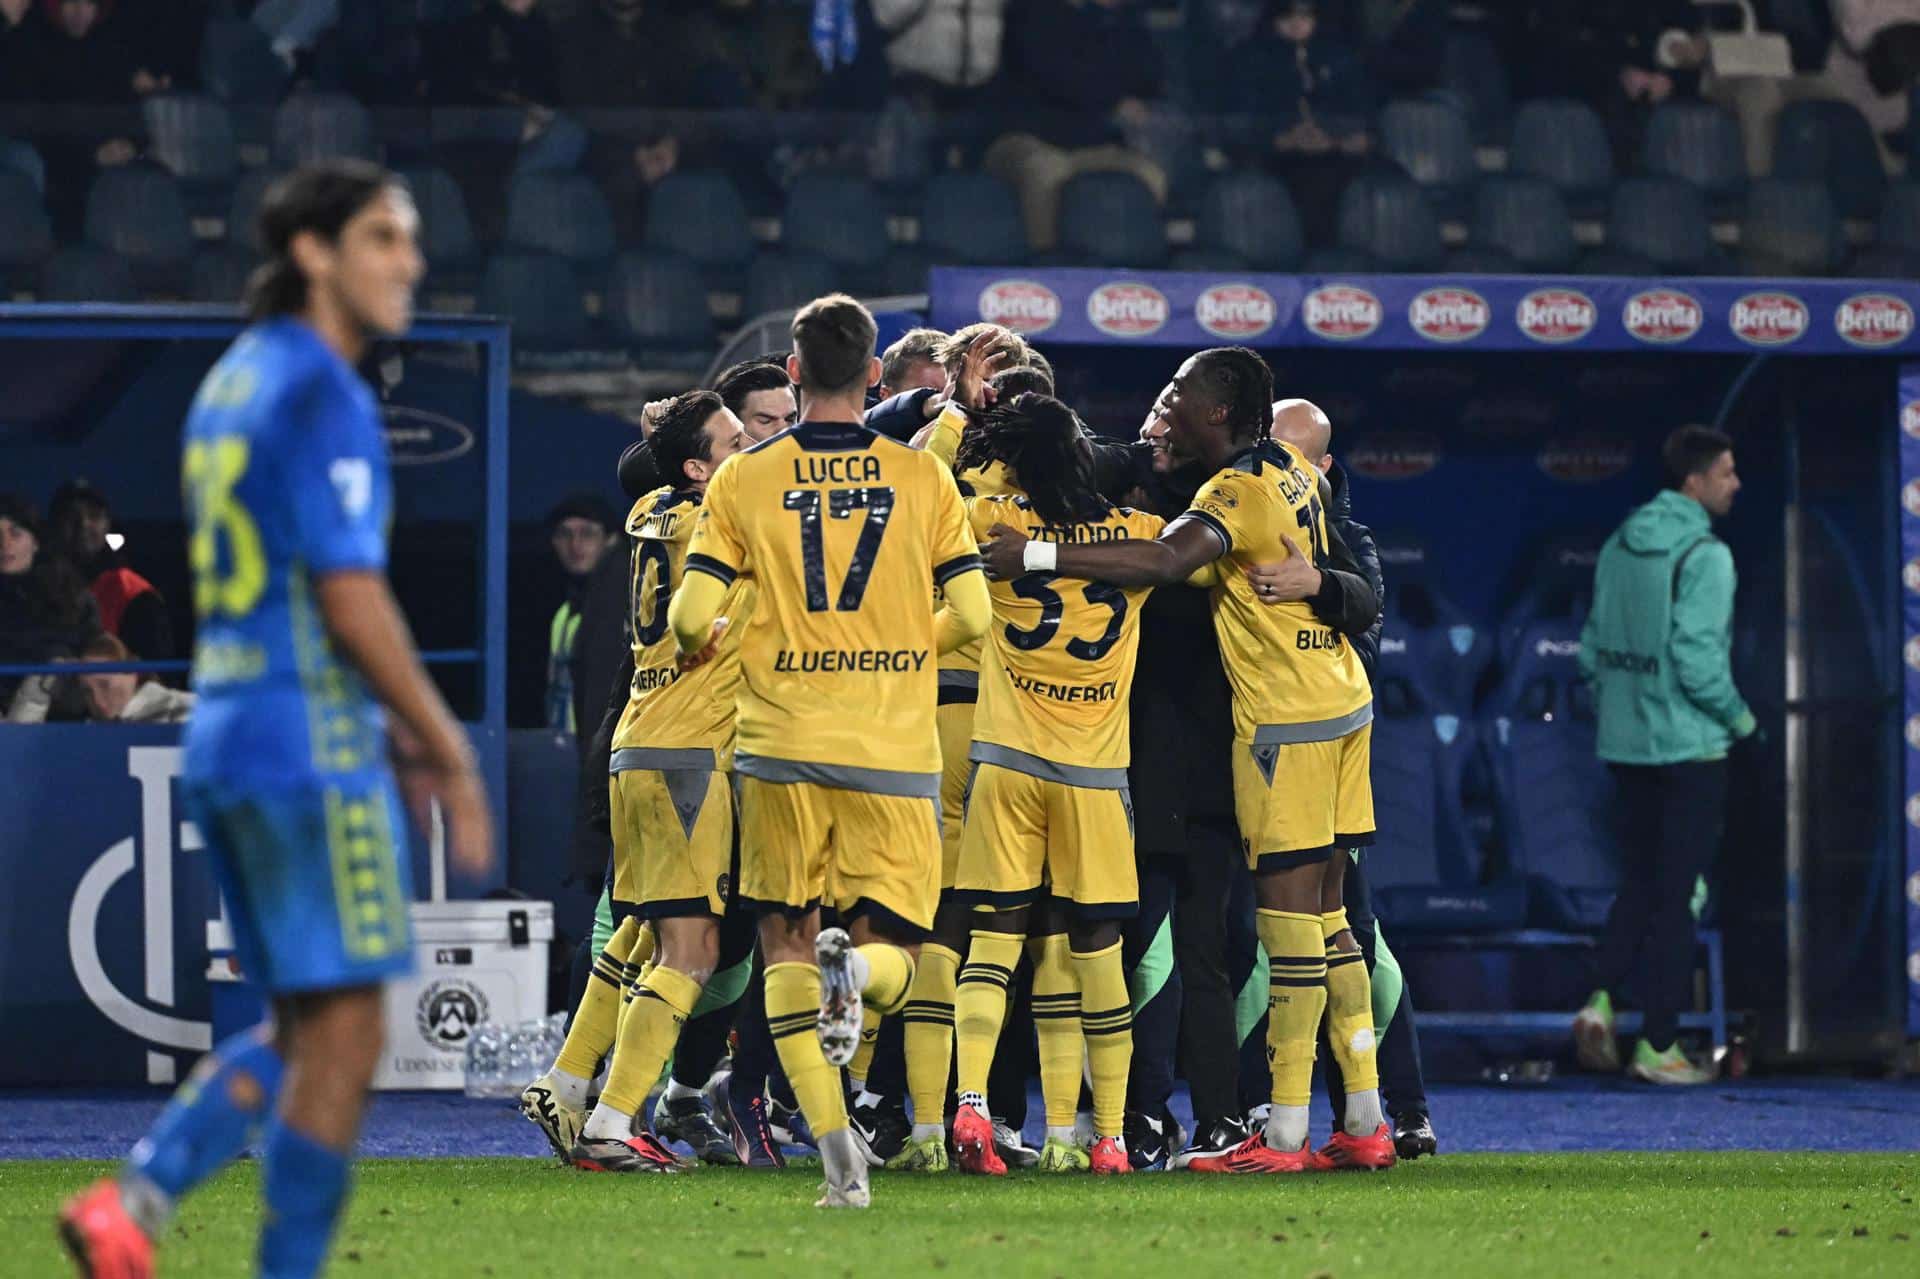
x=130, y=606
x=45, y=609
x=501, y=56
x=1300, y=101
x=294, y=27
x=1074, y=112
x=119, y=696
x=23, y=30
x=941, y=52
x=84, y=62
x=1885, y=35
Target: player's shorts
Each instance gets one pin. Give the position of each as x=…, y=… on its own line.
x=1025, y=833
x=806, y=844
x=315, y=877
x=672, y=839
x=1298, y=801
x=954, y=719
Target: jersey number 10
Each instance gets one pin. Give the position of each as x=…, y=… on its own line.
x=840, y=504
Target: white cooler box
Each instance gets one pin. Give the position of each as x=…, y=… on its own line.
x=476, y=961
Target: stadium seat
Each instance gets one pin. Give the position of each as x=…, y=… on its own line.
x=540, y=294
x=839, y=218
x=1563, y=141
x=1699, y=142
x=657, y=303
x=1663, y=220
x=1879, y=262
x=237, y=63
x=1607, y=262
x=1478, y=260
x=192, y=135
x=1831, y=143
x=137, y=211
x=446, y=232
x=1251, y=215
x=560, y=213
x=87, y=274
x=1338, y=260
x=1553, y=793
x=1112, y=220
x=905, y=270
x=972, y=219
x=219, y=276
x=783, y=281
x=244, y=207
x=26, y=235
x=1389, y=218
x=1791, y=228
x=1431, y=139
x=1524, y=217
x=1899, y=226
x=702, y=216
x=1472, y=71
x=1207, y=260
x=316, y=126
x=21, y=157
x=1429, y=639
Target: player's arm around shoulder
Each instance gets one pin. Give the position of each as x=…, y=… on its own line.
x=1182, y=548
x=967, y=610
x=716, y=556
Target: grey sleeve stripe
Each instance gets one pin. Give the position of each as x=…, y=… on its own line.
x=960, y=679
x=663, y=758
x=1320, y=730
x=873, y=781
x=1046, y=769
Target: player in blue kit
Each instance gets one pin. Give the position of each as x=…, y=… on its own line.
x=299, y=646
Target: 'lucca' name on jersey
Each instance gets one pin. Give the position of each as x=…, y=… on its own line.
x=1286, y=666
x=1058, y=676
x=846, y=534
x=667, y=709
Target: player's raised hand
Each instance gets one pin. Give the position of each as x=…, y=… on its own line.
x=1286, y=580
x=1004, y=552
x=688, y=661
x=985, y=357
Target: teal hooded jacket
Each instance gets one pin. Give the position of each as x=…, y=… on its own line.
x=1657, y=645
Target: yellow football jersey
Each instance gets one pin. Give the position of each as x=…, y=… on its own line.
x=990, y=480
x=668, y=710
x=1285, y=665
x=1055, y=686
x=846, y=534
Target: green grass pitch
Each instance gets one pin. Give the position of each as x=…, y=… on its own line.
x=1739, y=1214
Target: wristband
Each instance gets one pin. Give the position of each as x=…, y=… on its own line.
x=1039, y=557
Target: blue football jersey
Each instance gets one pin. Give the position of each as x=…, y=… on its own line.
x=285, y=477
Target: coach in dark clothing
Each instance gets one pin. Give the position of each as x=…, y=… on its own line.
x=1402, y=1087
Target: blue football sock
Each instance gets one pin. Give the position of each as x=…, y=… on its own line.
x=206, y=1125
x=305, y=1186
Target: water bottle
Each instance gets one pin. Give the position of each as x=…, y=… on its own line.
x=484, y=1064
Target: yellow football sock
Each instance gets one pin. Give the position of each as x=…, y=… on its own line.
x=793, y=1015
x=1349, y=1009
x=648, y=1030
x=1106, y=1015
x=1296, y=998
x=862, y=1062
x=980, y=1004
x=889, y=977
x=598, y=1016
x=928, y=1035
x=1056, y=1026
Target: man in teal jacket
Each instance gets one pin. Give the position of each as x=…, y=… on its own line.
x=1656, y=651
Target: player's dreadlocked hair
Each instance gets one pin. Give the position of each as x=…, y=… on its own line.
x=1239, y=379
x=678, y=437
x=1008, y=383
x=1043, y=442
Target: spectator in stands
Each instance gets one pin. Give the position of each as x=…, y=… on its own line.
x=1657, y=651
x=84, y=62
x=942, y=51
x=1300, y=101
x=760, y=395
x=1885, y=34
x=500, y=56
x=911, y=362
x=45, y=609
x=1074, y=113
x=1606, y=52
x=120, y=696
x=581, y=528
x=23, y=30
x=294, y=27
x=130, y=606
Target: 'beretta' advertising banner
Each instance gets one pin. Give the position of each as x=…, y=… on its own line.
x=1418, y=312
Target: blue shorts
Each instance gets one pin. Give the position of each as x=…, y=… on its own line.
x=315, y=877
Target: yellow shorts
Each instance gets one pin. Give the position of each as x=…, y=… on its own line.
x=803, y=844
x=955, y=722
x=672, y=842
x=1298, y=801
x=1024, y=833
